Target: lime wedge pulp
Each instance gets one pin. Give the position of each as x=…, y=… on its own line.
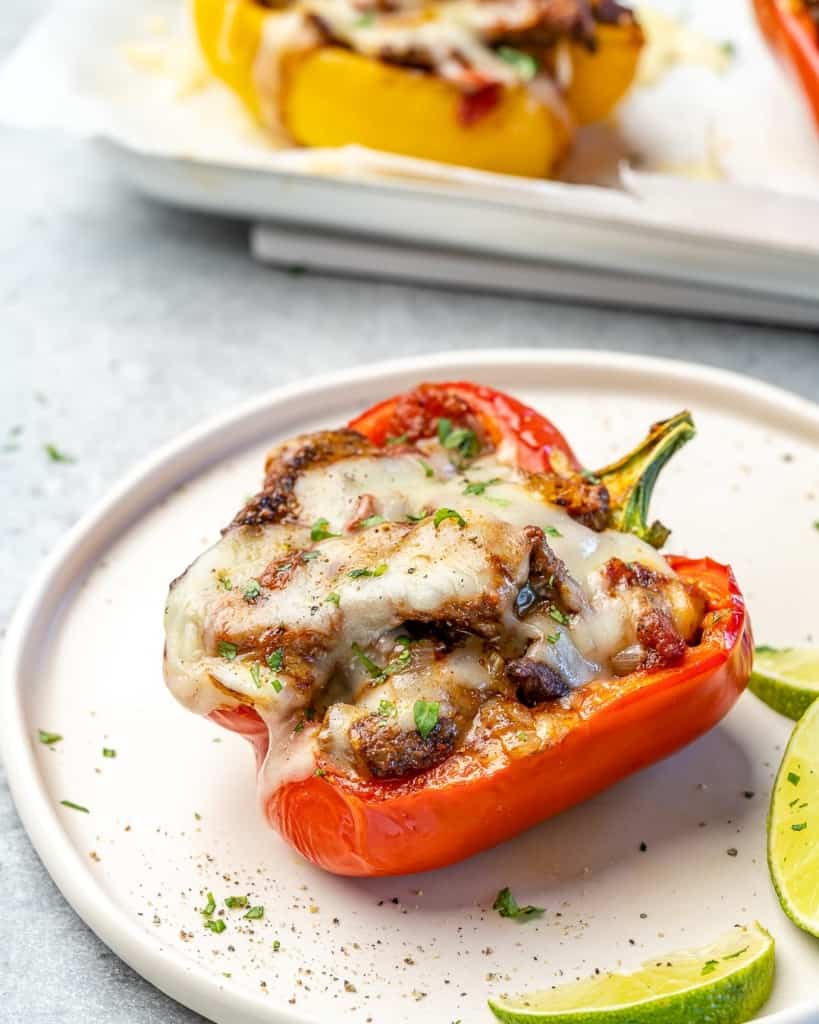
x=724, y=983
x=793, y=825
x=786, y=678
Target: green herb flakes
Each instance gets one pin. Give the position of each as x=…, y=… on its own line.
x=464, y=442
x=108, y=752
x=800, y=827
x=54, y=453
x=320, y=531
x=309, y=556
x=371, y=521
x=276, y=684
x=552, y=638
x=256, y=675
x=400, y=439
x=448, y=513
x=524, y=64
x=48, y=738
x=366, y=662
x=793, y=778
x=275, y=659
x=227, y=650
x=443, y=429
x=236, y=902
x=429, y=472
x=333, y=598
x=276, y=945
x=479, y=486
x=217, y=925
x=224, y=582
x=210, y=906
x=556, y=614
x=507, y=906
x=425, y=713
x=254, y=914
x=367, y=20
x=387, y=709
x=75, y=807
x=552, y=531
x=252, y=590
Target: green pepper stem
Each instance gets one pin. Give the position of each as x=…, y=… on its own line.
x=630, y=481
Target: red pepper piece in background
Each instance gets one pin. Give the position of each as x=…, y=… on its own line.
x=792, y=33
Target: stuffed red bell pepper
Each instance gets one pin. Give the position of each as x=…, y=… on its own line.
x=792, y=29
x=437, y=629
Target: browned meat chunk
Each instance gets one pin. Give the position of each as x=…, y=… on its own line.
x=584, y=500
x=277, y=502
x=658, y=634
x=388, y=752
x=536, y=683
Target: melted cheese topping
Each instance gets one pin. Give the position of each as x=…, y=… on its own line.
x=351, y=594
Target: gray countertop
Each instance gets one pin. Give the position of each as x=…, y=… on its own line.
x=124, y=323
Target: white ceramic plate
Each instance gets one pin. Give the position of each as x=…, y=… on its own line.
x=84, y=659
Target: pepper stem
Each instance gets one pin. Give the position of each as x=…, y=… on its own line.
x=630, y=481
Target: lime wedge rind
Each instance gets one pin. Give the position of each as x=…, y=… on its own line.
x=731, y=989
x=793, y=825
x=786, y=678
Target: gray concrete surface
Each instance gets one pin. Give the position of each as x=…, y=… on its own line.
x=122, y=323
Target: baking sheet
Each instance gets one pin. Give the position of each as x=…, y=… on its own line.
x=129, y=74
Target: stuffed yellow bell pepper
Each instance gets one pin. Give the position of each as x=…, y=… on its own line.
x=493, y=84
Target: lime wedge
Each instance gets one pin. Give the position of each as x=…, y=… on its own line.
x=723, y=983
x=786, y=678
x=793, y=825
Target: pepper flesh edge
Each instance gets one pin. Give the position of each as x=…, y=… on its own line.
x=437, y=818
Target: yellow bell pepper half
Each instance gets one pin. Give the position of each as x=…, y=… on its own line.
x=330, y=96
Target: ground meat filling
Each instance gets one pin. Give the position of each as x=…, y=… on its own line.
x=387, y=752
x=534, y=682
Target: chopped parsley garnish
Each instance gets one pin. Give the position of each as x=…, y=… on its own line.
x=275, y=659
x=236, y=902
x=379, y=570
x=710, y=966
x=224, y=582
x=75, y=807
x=256, y=674
x=333, y=598
x=375, y=520
x=443, y=429
x=479, y=486
x=319, y=530
x=252, y=590
x=108, y=752
x=48, y=737
x=320, y=772
x=448, y=513
x=276, y=945
x=507, y=906
x=210, y=906
x=309, y=556
x=429, y=472
x=365, y=21
x=387, y=709
x=399, y=663
x=425, y=713
x=401, y=438
x=552, y=638
x=417, y=519
x=54, y=453
x=551, y=531
x=298, y=726
x=800, y=827
x=369, y=665
x=558, y=616
x=793, y=778
x=276, y=684
x=217, y=926
x=524, y=64
x=227, y=650
x=254, y=914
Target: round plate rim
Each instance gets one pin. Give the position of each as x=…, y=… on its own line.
x=156, y=475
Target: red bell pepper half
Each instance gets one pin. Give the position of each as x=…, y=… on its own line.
x=790, y=26
x=603, y=731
